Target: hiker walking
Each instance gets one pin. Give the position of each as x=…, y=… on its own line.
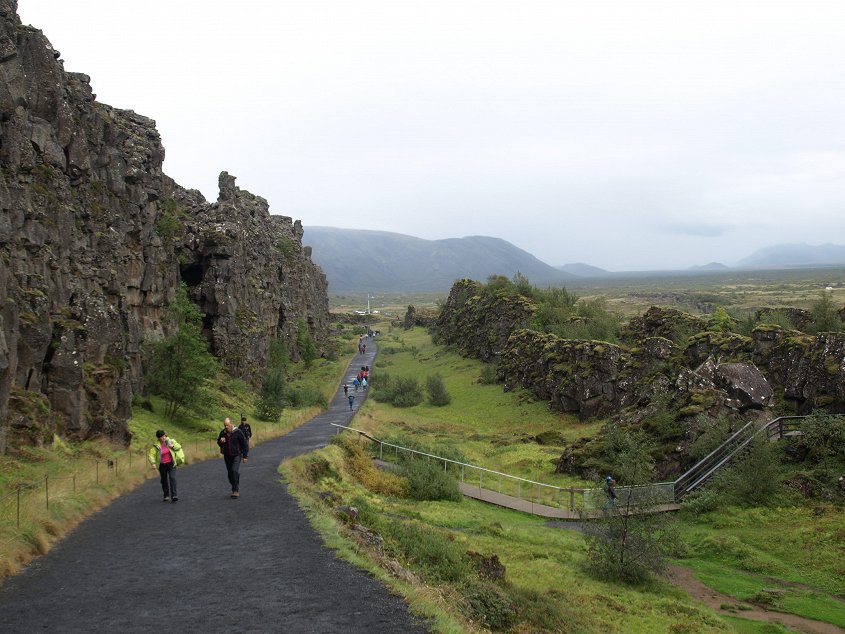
x=351, y=400
x=166, y=453
x=610, y=491
x=356, y=383
x=246, y=429
x=364, y=383
x=234, y=446
x=345, y=389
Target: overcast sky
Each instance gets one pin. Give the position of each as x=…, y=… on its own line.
x=629, y=135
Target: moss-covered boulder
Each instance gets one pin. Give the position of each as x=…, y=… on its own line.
x=669, y=323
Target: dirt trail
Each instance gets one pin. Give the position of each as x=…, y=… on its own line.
x=683, y=578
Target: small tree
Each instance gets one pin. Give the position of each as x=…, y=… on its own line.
x=437, y=394
x=179, y=365
x=304, y=343
x=274, y=386
x=625, y=542
x=721, y=321
x=825, y=317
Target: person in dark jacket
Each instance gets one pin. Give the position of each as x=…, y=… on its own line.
x=246, y=429
x=234, y=446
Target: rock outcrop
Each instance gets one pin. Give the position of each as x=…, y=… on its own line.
x=94, y=241
x=704, y=370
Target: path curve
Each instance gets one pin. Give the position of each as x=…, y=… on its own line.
x=207, y=563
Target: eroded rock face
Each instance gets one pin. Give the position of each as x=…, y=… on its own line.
x=94, y=240
x=721, y=373
x=480, y=323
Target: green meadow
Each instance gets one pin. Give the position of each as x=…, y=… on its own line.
x=784, y=558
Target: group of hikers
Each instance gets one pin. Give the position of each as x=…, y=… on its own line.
x=361, y=381
x=167, y=454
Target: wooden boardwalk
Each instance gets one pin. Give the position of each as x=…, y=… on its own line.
x=528, y=506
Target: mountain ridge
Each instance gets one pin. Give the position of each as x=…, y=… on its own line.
x=383, y=261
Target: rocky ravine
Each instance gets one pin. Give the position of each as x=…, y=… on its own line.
x=94, y=241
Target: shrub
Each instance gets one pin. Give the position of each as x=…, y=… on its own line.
x=273, y=387
x=437, y=394
x=488, y=375
x=754, y=478
x=399, y=392
x=306, y=397
x=304, y=343
x=427, y=480
x=822, y=437
x=489, y=605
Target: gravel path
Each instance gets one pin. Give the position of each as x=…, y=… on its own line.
x=206, y=563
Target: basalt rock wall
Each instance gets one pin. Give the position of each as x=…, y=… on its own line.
x=94, y=242
x=593, y=378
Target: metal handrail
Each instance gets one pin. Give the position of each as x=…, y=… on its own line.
x=572, y=491
x=724, y=453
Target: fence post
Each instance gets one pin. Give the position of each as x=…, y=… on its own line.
x=73, y=480
x=519, y=489
x=462, y=472
x=571, y=499
x=97, y=471
x=380, y=450
x=47, y=491
x=19, y=508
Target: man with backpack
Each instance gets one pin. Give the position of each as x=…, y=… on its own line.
x=234, y=445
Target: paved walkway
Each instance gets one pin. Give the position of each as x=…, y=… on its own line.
x=206, y=563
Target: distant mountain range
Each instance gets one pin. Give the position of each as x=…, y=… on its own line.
x=580, y=269
x=380, y=261
x=792, y=255
x=359, y=260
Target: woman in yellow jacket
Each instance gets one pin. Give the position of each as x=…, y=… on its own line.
x=167, y=454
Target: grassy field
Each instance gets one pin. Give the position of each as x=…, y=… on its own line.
x=632, y=294
x=745, y=553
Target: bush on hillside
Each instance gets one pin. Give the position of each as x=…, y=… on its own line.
x=437, y=394
x=823, y=438
x=306, y=397
x=401, y=391
x=427, y=480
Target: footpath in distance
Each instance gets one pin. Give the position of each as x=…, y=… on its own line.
x=208, y=563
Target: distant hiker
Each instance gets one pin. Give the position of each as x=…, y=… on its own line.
x=246, y=429
x=356, y=383
x=345, y=389
x=351, y=400
x=610, y=491
x=364, y=383
x=364, y=349
x=234, y=446
x=167, y=454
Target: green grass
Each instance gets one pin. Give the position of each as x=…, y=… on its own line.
x=746, y=549
x=543, y=563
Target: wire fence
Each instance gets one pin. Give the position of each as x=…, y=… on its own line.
x=568, y=498
x=34, y=500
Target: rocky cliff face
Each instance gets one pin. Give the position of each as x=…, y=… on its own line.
x=723, y=372
x=94, y=241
